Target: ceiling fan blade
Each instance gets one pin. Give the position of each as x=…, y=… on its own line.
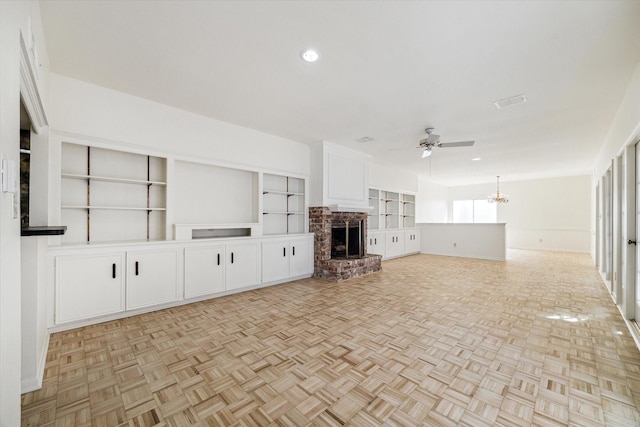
x=456, y=144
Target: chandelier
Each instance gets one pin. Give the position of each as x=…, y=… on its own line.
x=498, y=197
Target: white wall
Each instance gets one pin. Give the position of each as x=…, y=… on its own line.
x=432, y=202
x=484, y=241
x=35, y=337
x=625, y=128
x=86, y=109
x=392, y=179
x=543, y=214
x=14, y=17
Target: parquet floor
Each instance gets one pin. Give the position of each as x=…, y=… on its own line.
x=429, y=341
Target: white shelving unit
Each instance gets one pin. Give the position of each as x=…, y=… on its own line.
x=390, y=209
x=391, y=224
x=283, y=204
x=109, y=195
x=408, y=215
x=373, y=217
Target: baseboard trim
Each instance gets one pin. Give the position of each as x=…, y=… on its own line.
x=32, y=384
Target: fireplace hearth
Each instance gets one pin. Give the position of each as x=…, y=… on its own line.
x=340, y=249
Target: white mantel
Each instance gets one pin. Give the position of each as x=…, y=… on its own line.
x=339, y=178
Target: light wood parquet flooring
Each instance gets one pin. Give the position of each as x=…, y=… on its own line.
x=428, y=341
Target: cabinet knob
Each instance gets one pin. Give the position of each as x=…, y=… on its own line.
x=218, y=259
x=231, y=257
x=137, y=270
x=284, y=252
x=113, y=270
x=293, y=250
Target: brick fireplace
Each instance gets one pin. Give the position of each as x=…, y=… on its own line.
x=343, y=235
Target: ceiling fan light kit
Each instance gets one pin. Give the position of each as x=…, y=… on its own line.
x=498, y=197
x=433, y=140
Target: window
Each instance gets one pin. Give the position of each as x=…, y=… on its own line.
x=474, y=211
x=463, y=211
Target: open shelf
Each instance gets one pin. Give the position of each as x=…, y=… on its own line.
x=283, y=204
x=113, y=208
x=112, y=179
x=109, y=195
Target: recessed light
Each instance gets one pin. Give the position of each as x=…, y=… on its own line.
x=310, y=55
x=475, y=159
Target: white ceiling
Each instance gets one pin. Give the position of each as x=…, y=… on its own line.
x=387, y=70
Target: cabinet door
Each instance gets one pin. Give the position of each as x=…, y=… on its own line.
x=152, y=277
x=412, y=241
x=203, y=270
x=275, y=260
x=242, y=265
x=88, y=286
x=301, y=262
x=394, y=243
x=376, y=243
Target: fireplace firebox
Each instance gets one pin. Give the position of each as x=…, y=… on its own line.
x=347, y=240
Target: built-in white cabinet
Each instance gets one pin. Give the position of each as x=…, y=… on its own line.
x=242, y=267
x=152, y=277
x=145, y=230
x=412, y=241
x=89, y=286
x=283, y=204
x=394, y=243
x=204, y=270
x=301, y=256
x=391, y=224
x=285, y=258
x=376, y=242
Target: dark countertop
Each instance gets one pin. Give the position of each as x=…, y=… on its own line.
x=44, y=230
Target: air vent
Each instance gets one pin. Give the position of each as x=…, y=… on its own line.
x=365, y=139
x=514, y=100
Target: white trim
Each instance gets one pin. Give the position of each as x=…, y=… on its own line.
x=35, y=383
x=29, y=92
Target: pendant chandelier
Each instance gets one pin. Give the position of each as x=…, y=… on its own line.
x=498, y=197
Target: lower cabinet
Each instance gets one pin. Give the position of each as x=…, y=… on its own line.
x=89, y=286
x=394, y=243
x=203, y=270
x=412, y=241
x=102, y=282
x=301, y=256
x=284, y=258
x=376, y=243
x=152, y=277
x=242, y=265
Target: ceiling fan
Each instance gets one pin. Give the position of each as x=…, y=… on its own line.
x=433, y=140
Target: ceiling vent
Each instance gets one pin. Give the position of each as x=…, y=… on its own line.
x=514, y=100
x=365, y=139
